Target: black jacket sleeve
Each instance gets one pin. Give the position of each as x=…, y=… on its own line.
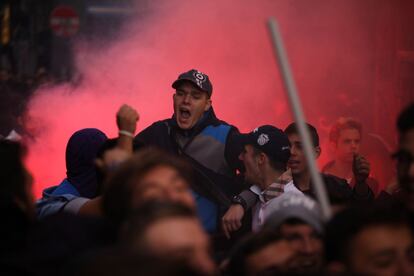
x=233, y=150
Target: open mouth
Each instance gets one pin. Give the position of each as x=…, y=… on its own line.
x=184, y=113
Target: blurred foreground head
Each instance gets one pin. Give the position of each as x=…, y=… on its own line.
x=262, y=253
x=16, y=198
x=374, y=240
x=117, y=261
x=405, y=154
x=169, y=230
x=149, y=175
x=15, y=180
x=298, y=219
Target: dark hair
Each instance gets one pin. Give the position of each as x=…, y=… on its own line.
x=343, y=228
x=142, y=218
x=405, y=121
x=275, y=164
x=119, y=261
x=293, y=221
x=293, y=129
x=248, y=246
x=119, y=187
x=341, y=124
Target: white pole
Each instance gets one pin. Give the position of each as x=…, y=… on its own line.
x=296, y=107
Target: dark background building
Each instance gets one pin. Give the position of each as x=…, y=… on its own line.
x=36, y=39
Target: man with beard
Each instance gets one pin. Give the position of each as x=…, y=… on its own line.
x=195, y=133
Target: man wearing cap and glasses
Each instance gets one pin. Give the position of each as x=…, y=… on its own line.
x=195, y=133
x=265, y=156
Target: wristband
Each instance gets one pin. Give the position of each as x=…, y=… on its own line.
x=239, y=200
x=126, y=133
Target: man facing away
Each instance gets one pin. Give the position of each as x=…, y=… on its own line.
x=265, y=156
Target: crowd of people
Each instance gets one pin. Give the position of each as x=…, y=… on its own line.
x=191, y=195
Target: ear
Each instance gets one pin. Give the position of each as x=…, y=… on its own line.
x=262, y=158
x=208, y=105
x=318, y=152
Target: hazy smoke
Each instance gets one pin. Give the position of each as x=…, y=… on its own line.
x=330, y=46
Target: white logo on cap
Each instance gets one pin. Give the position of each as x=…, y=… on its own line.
x=299, y=200
x=263, y=139
x=199, y=78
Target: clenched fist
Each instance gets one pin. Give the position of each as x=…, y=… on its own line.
x=127, y=118
x=360, y=168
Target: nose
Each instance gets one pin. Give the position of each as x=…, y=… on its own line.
x=292, y=150
x=308, y=246
x=171, y=195
x=354, y=145
x=186, y=98
x=241, y=156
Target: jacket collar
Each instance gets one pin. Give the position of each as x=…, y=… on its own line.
x=208, y=118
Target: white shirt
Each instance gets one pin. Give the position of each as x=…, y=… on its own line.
x=262, y=209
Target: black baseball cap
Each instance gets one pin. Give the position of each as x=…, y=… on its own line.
x=198, y=78
x=269, y=139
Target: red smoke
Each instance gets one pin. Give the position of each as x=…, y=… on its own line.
x=330, y=46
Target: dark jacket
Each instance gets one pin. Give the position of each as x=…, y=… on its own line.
x=340, y=192
x=212, y=150
x=370, y=182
